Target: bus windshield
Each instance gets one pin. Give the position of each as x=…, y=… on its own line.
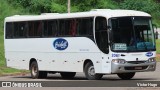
x=132, y=34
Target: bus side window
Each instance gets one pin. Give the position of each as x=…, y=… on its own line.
x=61, y=30
x=52, y=28
x=45, y=28
x=31, y=29
x=73, y=27
x=64, y=27
x=35, y=29
x=22, y=29
x=16, y=29
x=85, y=27
x=9, y=30
x=67, y=27
x=38, y=28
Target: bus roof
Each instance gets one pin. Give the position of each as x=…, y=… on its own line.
x=108, y=13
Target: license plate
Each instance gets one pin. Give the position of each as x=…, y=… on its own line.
x=138, y=68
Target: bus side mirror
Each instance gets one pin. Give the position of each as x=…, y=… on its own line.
x=155, y=31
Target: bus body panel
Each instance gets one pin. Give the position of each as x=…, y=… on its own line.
x=20, y=51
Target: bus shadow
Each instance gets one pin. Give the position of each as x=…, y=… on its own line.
x=77, y=78
x=60, y=78
x=134, y=79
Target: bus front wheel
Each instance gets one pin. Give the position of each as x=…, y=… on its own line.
x=126, y=76
x=35, y=73
x=90, y=72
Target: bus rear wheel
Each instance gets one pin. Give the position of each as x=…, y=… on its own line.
x=68, y=75
x=90, y=72
x=35, y=73
x=126, y=76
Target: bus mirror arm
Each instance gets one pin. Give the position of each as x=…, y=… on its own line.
x=108, y=27
x=155, y=31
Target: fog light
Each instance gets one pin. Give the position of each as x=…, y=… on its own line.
x=151, y=60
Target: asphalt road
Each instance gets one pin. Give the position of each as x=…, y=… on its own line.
x=55, y=82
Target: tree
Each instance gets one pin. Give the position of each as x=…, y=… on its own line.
x=41, y=6
x=142, y=5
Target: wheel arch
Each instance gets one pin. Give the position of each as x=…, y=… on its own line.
x=30, y=62
x=85, y=62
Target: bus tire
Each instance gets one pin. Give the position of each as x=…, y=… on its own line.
x=90, y=72
x=35, y=73
x=126, y=76
x=68, y=75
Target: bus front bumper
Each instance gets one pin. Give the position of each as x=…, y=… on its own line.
x=132, y=67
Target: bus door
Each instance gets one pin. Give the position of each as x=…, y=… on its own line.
x=101, y=38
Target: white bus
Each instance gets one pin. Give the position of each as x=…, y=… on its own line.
x=98, y=42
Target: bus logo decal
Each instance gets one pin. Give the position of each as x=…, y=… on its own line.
x=149, y=54
x=115, y=55
x=60, y=44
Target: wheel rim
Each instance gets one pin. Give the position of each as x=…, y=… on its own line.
x=34, y=70
x=91, y=71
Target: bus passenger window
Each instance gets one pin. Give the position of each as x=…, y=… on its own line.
x=85, y=27
x=64, y=27
x=31, y=28
x=38, y=28
x=52, y=28
x=22, y=29
x=9, y=30
x=73, y=27
x=35, y=29
x=61, y=30
x=16, y=30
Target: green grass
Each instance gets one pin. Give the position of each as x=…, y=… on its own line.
x=158, y=46
x=11, y=71
x=1, y=51
x=158, y=49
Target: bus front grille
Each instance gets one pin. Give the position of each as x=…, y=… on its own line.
x=136, y=62
x=136, y=68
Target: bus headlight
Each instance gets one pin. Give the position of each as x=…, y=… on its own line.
x=121, y=61
x=151, y=60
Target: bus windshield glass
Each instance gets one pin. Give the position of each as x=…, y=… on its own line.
x=132, y=34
